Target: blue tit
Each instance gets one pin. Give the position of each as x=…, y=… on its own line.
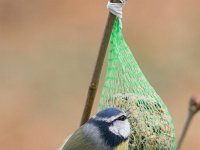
x=109, y=129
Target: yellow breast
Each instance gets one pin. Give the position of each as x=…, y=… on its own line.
x=122, y=146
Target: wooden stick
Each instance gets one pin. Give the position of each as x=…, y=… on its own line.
x=194, y=107
x=98, y=67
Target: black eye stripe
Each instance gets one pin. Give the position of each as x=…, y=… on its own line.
x=121, y=118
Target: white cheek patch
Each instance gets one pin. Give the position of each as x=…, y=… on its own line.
x=121, y=128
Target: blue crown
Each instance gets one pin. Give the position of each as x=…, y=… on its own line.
x=109, y=112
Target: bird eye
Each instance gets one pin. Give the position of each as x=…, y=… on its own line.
x=122, y=118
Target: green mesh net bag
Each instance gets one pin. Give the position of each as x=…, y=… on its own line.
x=127, y=88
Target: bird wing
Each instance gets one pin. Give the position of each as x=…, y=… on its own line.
x=122, y=146
x=78, y=141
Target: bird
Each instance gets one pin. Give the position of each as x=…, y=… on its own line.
x=109, y=129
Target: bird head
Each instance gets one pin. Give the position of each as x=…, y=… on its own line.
x=109, y=127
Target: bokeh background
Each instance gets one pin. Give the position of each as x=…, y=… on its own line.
x=48, y=49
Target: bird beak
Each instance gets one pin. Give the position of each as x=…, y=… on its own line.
x=128, y=114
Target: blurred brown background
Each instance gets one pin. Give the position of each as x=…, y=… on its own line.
x=47, y=53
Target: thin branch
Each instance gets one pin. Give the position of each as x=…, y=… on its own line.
x=99, y=63
x=194, y=107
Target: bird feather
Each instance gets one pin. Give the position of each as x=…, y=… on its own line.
x=122, y=146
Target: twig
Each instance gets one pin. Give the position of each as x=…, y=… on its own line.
x=99, y=63
x=194, y=107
